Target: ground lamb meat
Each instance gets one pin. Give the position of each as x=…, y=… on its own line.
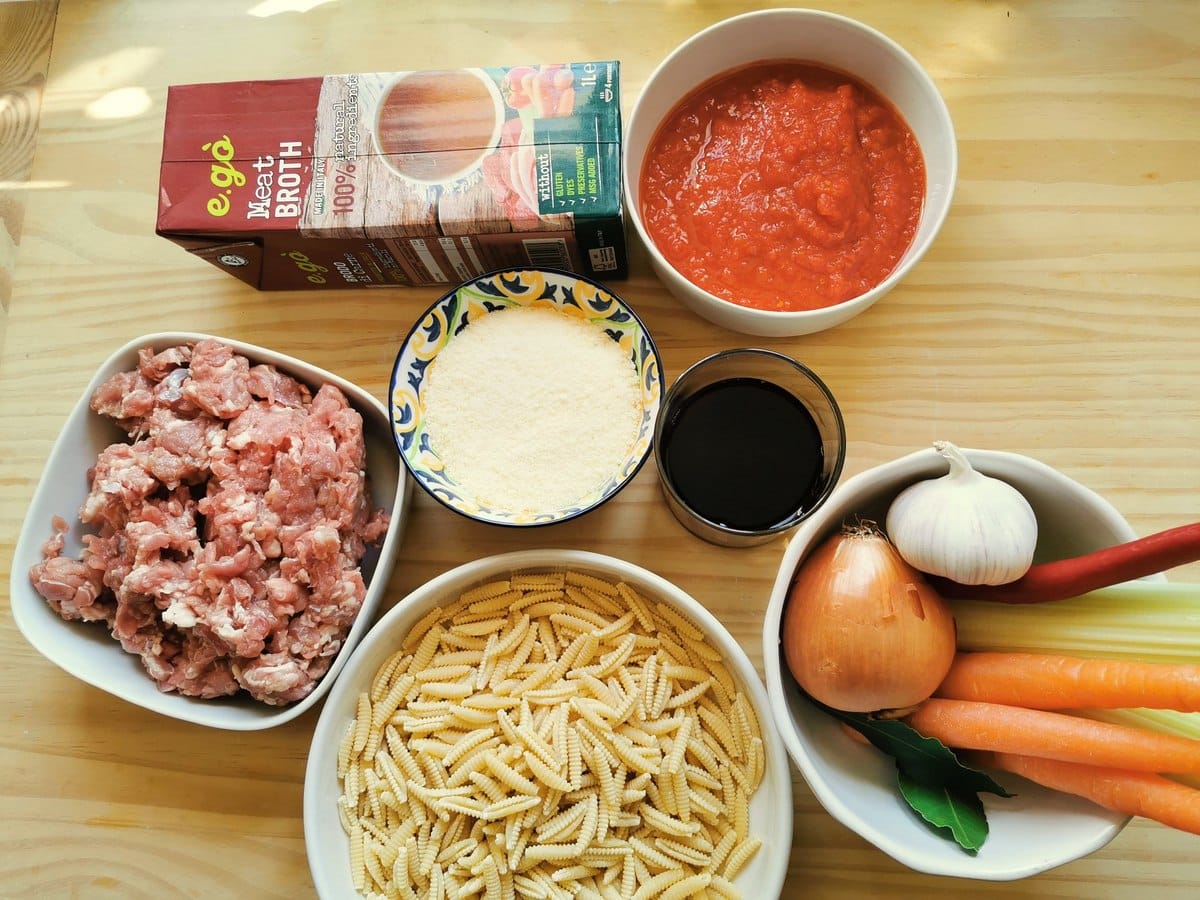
x=228, y=532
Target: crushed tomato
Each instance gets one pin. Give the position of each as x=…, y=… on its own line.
x=783, y=186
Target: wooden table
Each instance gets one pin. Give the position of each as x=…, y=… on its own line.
x=1057, y=315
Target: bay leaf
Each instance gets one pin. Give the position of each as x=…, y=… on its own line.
x=932, y=780
x=945, y=810
x=923, y=759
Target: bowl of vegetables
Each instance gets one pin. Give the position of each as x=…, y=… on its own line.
x=935, y=632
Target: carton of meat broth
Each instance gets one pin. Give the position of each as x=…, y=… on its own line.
x=402, y=178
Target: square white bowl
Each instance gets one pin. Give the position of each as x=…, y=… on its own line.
x=329, y=847
x=1036, y=830
x=87, y=650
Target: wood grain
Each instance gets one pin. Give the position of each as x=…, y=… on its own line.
x=1055, y=316
x=26, y=31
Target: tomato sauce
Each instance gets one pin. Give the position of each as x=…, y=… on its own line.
x=783, y=186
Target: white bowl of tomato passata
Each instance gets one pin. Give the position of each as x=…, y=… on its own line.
x=786, y=169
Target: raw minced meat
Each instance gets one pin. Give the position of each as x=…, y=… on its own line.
x=229, y=529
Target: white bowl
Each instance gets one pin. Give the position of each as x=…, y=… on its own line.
x=1035, y=831
x=327, y=844
x=88, y=651
x=828, y=40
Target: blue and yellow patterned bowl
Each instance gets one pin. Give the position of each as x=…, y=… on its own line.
x=492, y=294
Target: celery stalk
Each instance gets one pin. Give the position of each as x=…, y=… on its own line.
x=1143, y=620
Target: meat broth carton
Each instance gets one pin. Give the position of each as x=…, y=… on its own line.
x=401, y=178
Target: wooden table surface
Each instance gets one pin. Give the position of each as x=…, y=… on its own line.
x=1057, y=315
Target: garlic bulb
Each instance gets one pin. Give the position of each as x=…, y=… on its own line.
x=965, y=526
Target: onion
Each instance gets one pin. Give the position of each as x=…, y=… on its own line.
x=862, y=630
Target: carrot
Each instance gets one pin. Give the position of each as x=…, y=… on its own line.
x=969, y=725
x=1045, y=681
x=1120, y=790
x=855, y=735
x=1071, y=577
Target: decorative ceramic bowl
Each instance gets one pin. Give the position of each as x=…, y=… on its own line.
x=492, y=294
x=1037, y=829
x=327, y=844
x=803, y=35
x=87, y=650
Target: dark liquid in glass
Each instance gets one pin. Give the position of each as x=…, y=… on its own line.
x=743, y=453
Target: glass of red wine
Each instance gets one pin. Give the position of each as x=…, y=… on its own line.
x=748, y=443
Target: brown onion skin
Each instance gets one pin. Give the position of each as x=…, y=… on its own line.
x=862, y=630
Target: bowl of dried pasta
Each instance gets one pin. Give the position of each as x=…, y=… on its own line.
x=547, y=723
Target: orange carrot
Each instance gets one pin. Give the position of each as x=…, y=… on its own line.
x=1131, y=793
x=1044, y=681
x=969, y=725
x=855, y=735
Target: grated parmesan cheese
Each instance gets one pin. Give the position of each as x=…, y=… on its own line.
x=530, y=409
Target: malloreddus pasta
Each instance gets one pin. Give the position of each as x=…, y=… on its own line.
x=551, y=735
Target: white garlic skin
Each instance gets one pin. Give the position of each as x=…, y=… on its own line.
x=965, y=526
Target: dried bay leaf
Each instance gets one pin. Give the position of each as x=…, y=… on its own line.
x=931, y=778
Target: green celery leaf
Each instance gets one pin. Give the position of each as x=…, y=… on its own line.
x=961, y=814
